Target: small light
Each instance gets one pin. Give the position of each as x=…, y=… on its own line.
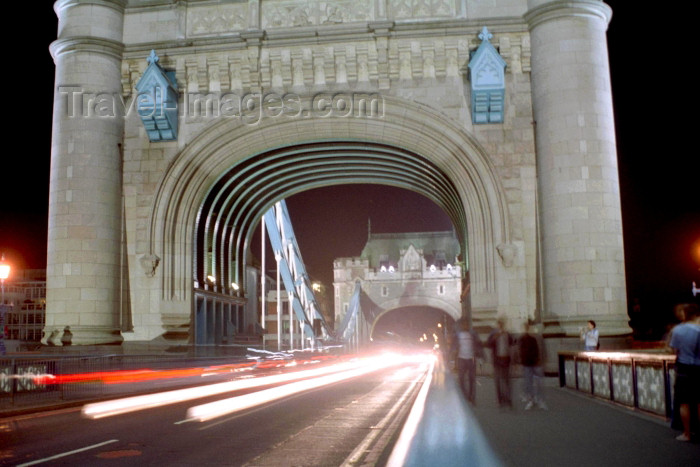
x=235, y=286
x=432, y=268
x=211, y=279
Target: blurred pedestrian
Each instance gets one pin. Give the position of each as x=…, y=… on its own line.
x=685, y=341
x=501, y=342
x=590, y=336
x=531, y=360
x=67, y=337
x=468, y=348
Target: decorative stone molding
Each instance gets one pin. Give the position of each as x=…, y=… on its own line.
x=293, y=13
x=567, y=8
x=149, y=263
x=118, y=5
x=379, y=60
x=91, y=45
x=423, y=9
x=217, y=19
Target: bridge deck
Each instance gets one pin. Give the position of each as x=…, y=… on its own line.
x=576, y=430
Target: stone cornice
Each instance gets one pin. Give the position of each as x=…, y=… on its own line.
x=566, y=9
x=342, y=33
x=69, y=45
x=118, y=5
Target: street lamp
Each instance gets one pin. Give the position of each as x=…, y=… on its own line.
x=4, y=274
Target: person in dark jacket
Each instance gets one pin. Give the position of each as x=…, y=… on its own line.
x=531, y=360
x=501, y=341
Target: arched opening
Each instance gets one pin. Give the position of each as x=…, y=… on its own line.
x=214, y=192
x=234, y=204
x=231, y=211
x=422, y=326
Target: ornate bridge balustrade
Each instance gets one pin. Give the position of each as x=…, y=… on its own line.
x=642, y=381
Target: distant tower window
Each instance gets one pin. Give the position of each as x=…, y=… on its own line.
x=441, y=289
x=440, y=260
x=383, y=263
x=488, y=83
x=385, y=291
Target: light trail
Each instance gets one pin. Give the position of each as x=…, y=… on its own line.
x=135, y=403
x=142, y=375
x=403, y=444
x=231, y=405
x=378, y=430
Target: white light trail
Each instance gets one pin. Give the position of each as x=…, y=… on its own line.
x=223, y=407
x=132, y=404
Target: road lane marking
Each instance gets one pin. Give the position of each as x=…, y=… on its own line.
x=69, y=453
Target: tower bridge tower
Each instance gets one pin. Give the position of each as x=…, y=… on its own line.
x=499, y=112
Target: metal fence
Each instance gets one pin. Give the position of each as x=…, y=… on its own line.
x=643, y=381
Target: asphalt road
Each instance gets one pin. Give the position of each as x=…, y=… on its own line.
x=316, y=427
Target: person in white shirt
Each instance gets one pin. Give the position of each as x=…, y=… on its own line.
x=590, y=337
x=468, y=349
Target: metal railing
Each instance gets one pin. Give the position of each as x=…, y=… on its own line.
x=643, y=381
x=441, y=428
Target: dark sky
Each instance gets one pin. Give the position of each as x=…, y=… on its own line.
x=659, y=165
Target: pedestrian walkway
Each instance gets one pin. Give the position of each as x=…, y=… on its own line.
x=576, y=430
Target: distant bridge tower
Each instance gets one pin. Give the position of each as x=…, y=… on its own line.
x=395, y=271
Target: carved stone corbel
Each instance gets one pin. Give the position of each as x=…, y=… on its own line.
x=507, y=252
x=149, y=263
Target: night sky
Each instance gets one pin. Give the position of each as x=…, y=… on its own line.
x=653, y=93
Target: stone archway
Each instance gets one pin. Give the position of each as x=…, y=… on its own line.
x=421, y=317
x=474, y=198
x=446, y=306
